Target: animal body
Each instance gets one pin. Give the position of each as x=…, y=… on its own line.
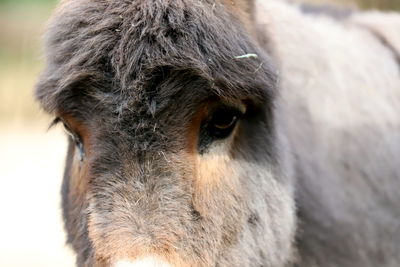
x=226, y=133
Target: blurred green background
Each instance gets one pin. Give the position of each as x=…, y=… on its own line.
x=21, y=26
x=31, y=232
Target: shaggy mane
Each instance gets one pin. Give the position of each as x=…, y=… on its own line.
x=127, y=48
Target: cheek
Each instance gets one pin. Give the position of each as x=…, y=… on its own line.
x=216, y=167
x=215, y=174
x=213, y=170
x=75, y=187
x=217, y=179
x=80, y=165
x=79, y=176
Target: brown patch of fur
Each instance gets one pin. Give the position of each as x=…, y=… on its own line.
x=213, y=173
x=80, y=128
x=211, y=170
x=79, y=180
x=79, y=170
x=193, y=130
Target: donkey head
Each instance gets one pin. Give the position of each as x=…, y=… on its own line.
x=174, y=155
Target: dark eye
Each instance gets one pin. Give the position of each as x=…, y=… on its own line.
x=222, y=122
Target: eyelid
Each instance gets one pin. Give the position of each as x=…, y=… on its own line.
x=239, y=106
x=67, y=127
x=74, y=135
x=54, y=122
x=70, y=131
x=238, y=112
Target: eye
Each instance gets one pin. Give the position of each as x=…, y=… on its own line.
x=222, y=122
x=74, y=136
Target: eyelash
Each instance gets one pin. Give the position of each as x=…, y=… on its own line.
x=74, y=136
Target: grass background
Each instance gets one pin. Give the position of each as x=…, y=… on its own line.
x=31, y=160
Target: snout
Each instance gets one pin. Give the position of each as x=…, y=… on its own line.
x=144, y=262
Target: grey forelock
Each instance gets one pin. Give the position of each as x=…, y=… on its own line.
x=116, y=46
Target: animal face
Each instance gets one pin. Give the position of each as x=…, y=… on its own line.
x=174, y=152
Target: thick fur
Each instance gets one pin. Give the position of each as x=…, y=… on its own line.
x=341, y=89
x=134, y=74
x=323, y=117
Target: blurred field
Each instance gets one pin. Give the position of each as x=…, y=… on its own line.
x=365, y=4
x=31, y=232
x=20, y=61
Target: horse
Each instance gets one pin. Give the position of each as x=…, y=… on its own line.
x=226, y=132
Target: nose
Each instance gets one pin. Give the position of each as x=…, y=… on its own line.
x=144, y=262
